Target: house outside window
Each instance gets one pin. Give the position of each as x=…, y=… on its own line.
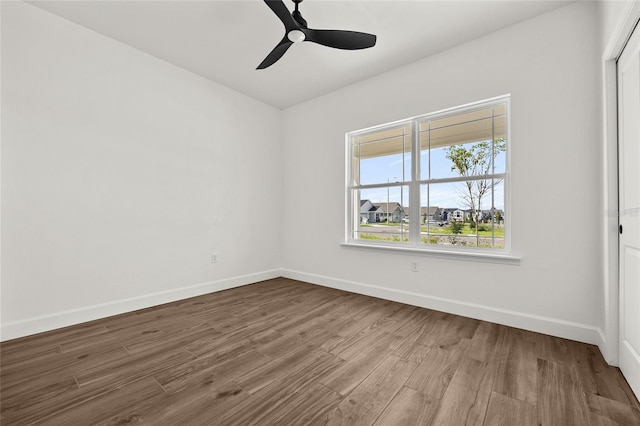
x=434, y=182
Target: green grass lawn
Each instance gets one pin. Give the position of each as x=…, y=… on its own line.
x=498, y=230
x=433, y=239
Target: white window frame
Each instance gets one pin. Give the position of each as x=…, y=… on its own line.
x=414, y=245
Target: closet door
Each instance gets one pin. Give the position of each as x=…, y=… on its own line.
x=629, y=206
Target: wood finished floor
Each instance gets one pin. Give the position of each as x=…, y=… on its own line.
x=289, y=353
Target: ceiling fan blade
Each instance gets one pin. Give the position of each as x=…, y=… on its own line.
x=349, y=40
x=297, y=30
x=282, y=13
x=276, y=53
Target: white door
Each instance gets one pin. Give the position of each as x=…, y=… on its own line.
x=629, y=202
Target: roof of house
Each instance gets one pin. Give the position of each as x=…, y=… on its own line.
x=393, y=206
x=362, y=204
x=431, y=210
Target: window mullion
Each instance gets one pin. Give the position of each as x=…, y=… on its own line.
x=414, y=186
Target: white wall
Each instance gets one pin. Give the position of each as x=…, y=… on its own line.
x=121, y=174
x=609, y=14
x=551, y=69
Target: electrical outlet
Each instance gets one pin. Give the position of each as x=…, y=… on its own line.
x=214, y=257
x=414, y=266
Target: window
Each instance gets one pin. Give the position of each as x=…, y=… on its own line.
x=434, y=182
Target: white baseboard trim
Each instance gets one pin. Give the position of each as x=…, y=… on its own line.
x=29, y=326
x=605, y=348
x=555, y=327
x=539, y=324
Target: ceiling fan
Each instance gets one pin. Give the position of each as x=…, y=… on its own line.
x=297, y=31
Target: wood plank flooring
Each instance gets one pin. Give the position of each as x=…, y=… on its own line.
x=283, y=352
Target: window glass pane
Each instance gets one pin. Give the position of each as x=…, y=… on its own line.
x=500, y=158
x=384, y=214
x=473, y=159
x=442, y=206
x=500, y=147
x=466, y=144
x=460, y=132
x=383, y=156
x=452, y=220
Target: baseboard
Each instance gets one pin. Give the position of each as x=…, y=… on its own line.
x=605, y=349
x=554, y=327
x=539, y=324
x=27, y=327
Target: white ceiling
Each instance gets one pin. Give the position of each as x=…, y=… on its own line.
x=224, y=41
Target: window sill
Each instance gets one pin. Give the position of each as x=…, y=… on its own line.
x=503, y=258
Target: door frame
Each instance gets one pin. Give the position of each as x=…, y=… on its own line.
x=613, y=50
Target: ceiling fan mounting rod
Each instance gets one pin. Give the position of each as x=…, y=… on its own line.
x=297, y=16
